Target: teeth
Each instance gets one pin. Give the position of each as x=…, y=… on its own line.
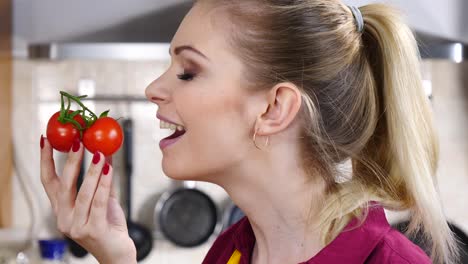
x=166, y=125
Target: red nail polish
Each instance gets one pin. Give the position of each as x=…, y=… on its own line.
x=105, y=170
x=76, y=145
x=42, y=141
x=96, y=157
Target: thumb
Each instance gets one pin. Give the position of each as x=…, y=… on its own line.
x=116, y=215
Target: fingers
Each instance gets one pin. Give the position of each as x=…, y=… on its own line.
x=49, y=178
x=69, y=177
x=87, y=190
x=112, y=191
x=98, y=212
x=67, y=193
x=116, y=216
x=109, y=160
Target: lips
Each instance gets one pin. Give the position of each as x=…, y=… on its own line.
x=172, y=139
x=165, y=119
x=179, y=131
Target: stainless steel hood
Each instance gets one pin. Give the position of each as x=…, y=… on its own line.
x=144, y=38
x=434, y=47
x=104, y=51
x=148, y=38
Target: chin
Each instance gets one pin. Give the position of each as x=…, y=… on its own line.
x=180, y=173
x=177, y=174
x=183, y=172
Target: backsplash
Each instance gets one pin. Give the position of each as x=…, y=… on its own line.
x=450, y=106
x=36, y=98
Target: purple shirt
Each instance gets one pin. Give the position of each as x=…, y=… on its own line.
x=374, y=242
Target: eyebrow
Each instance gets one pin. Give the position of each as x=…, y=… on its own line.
x=179, y=49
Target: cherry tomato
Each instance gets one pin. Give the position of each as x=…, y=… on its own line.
x=105, y=136
x=61, y=136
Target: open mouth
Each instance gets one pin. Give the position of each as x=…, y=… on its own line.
x=179, y=131
x=176, y=134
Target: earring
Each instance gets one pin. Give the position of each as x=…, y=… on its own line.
x=255, y=143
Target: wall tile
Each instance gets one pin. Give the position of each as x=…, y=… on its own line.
x=36, y=98
x=450, y=105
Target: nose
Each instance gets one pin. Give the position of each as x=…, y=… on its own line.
x=156, y=93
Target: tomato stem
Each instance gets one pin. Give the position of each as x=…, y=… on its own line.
x=62, y=110
x=69, y=104
x=78, y=101
x=76, y=124
x=67, y=116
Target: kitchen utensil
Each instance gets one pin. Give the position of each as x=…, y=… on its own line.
x=53, y=251
x=185, y=215
x=75, y=248
x=140, y=235
x=232, y=214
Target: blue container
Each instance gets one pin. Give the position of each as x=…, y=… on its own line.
x=53, y=249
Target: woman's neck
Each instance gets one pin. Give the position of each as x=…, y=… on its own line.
x=282, y=203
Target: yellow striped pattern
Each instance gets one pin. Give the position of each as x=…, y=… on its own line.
x=235, y=257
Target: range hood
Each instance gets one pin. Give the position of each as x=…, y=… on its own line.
x=148, y=37
x=144, y=38
x=434, y=47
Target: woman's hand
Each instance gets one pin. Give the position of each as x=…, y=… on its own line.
x=93, y=217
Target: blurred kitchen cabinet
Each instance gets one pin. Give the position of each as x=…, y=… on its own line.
x=5, y=113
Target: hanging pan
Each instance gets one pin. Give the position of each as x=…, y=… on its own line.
x=232, y=214
x=185, y=215
x=140, y=235
x=75, y=248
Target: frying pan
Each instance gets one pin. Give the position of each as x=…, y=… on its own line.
x=461, y=237
x=185, y=215
x=140, y=235
x=232, y=214
x=75, y=248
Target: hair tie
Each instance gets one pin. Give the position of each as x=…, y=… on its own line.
x=358, y=17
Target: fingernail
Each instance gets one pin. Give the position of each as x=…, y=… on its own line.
x=76, y=145
x=42, y=141
x=105, y=170
x=96, y=157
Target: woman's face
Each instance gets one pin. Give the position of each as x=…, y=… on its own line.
x=205, y=94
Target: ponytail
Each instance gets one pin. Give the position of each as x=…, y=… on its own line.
x=405, y=144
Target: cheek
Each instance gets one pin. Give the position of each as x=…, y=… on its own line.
x=215, y=106
x=217, y=132
x=218, y=119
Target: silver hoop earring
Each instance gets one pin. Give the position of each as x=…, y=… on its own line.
x=255, y=143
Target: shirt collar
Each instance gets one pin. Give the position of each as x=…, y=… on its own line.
x=353, y=245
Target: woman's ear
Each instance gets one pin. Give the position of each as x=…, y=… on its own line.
x=285, y=101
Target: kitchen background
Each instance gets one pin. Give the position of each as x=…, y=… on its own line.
x=40, y=71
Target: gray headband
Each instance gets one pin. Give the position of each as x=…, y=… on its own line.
x=358, y=17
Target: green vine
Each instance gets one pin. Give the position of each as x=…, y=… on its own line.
x=66, y=116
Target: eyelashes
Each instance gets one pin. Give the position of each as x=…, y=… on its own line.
x=189, y=68
x=186, y=76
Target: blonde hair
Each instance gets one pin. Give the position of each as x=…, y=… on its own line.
x=363, y=101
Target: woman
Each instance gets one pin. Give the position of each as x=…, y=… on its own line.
x=274, y=98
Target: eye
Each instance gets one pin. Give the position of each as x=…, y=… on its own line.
x=186, y=76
